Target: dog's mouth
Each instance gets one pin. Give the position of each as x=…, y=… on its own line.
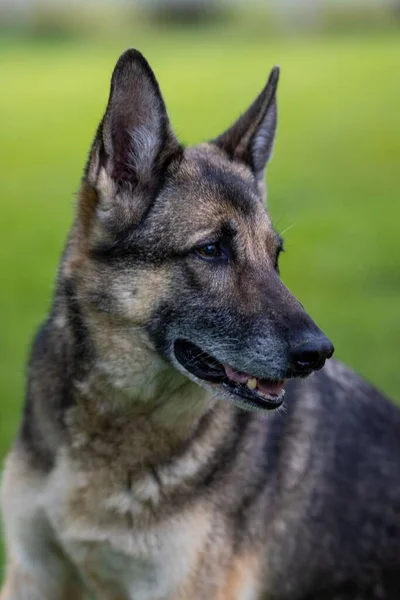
x=262, y=394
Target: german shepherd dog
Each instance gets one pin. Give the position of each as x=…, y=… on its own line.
x=149, y=465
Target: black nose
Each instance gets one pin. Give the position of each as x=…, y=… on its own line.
x=311, y=355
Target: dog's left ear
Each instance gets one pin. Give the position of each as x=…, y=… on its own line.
x=251, y=138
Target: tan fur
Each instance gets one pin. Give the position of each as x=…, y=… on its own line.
x=242, y=579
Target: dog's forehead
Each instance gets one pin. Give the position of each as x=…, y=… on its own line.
x=207, y=185
x=210, y=168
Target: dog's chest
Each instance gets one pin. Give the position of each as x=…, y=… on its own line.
x=129, y=540
x=137, y=565
x=121, y=549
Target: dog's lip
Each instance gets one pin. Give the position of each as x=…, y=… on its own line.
x=267, y=387
x=262, y=394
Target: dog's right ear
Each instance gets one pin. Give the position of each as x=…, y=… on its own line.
x=251, y=138
x=134, y=141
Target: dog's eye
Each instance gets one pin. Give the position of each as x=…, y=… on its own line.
x=210, y=251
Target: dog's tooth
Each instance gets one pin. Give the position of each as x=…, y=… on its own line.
x=252, y=383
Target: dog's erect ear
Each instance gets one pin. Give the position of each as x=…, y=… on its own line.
x=134, y=140
x=251, y=138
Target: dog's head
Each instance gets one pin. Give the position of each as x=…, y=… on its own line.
x=177, y=244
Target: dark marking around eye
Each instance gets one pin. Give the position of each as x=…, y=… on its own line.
x=281, y=245
x=280, y=248
x=229, y=229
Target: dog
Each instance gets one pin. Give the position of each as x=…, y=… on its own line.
x=152, y=462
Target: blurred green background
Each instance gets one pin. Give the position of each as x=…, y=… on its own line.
x=334, y=181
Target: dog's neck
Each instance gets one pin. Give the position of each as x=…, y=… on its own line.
x=125, y=377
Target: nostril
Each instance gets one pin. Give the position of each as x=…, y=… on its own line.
x=307, y=360
x=311, y=355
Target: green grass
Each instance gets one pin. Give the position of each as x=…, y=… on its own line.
x=334, y=180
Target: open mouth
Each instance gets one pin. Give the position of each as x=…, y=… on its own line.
x=263, y=394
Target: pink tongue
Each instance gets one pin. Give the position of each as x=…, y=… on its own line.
x=237, y=376
x=267, y=387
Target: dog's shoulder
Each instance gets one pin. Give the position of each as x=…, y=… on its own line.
x=342, y=397
x=49, y=393
x=348, y=420
x=337, y=453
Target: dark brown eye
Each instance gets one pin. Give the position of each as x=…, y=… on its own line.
x=210, y=251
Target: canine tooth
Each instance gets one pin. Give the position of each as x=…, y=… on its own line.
x=252, y=383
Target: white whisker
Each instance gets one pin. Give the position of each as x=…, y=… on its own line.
x=287, y=229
